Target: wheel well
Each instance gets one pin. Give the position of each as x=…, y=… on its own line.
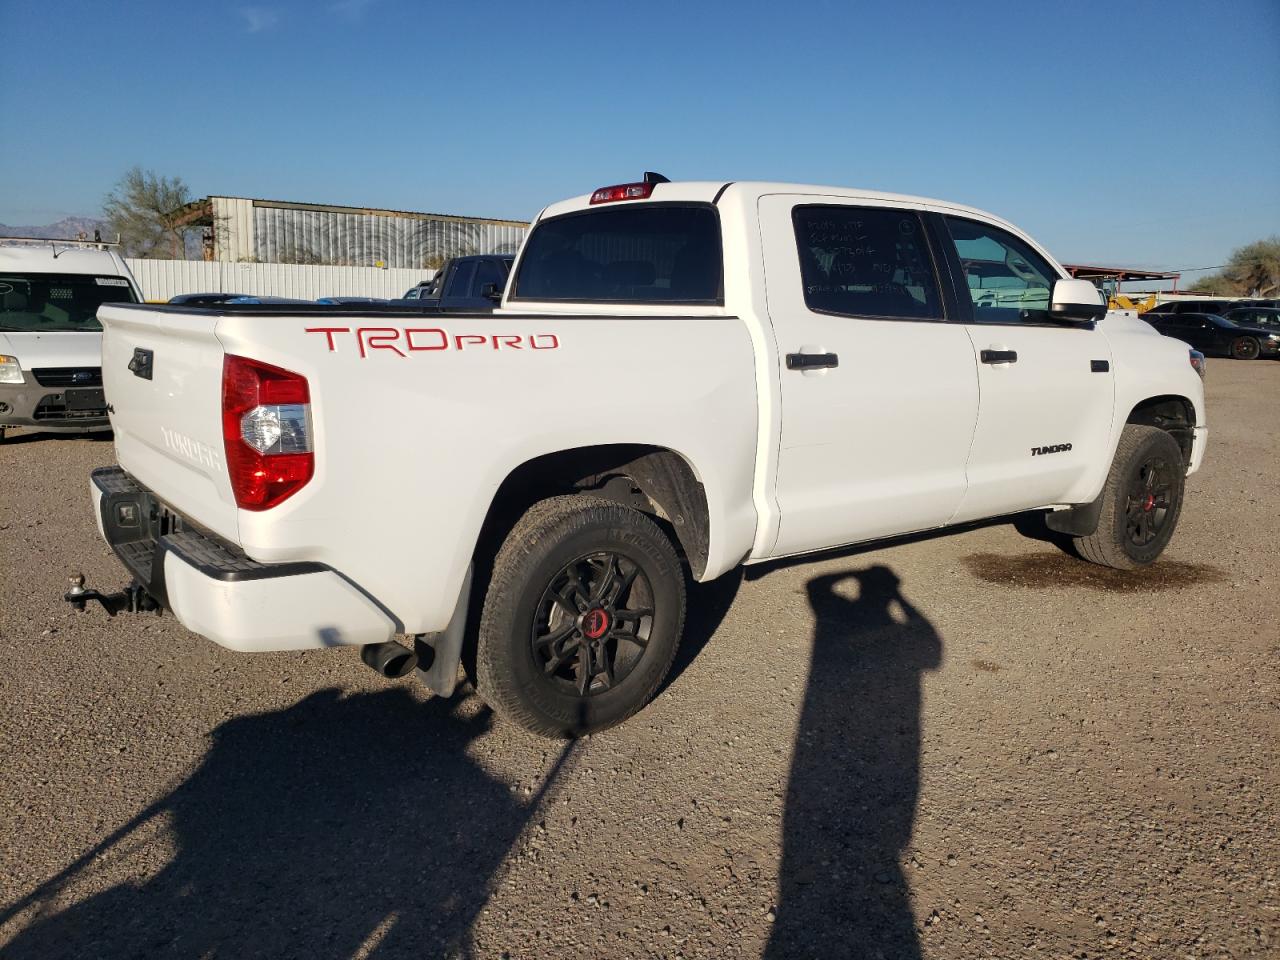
x=654, y=480
x=1176, y=415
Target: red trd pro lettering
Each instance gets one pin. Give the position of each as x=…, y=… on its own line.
x=431, y=339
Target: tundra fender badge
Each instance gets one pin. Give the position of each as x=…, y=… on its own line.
x=1055, y=448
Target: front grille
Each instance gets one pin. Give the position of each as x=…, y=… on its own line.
x=68, y=376
x=54, y=407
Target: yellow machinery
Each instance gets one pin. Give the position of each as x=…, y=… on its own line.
x=1119, y=301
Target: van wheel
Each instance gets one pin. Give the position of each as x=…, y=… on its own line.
x=1245, y=348
x=1141, y=501
x=582, y=617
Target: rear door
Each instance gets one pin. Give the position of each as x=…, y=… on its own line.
x=162, y=372
x=1046, y=390
x=878, y=390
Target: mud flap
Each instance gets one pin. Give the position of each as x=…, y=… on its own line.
x=442, y=652
x=1078, y=521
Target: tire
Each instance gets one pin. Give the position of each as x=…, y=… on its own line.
x=582, y=587
x=1141, y=501
x=1245, y=348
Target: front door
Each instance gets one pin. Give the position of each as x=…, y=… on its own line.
x=878, y=390
x=1046, y=390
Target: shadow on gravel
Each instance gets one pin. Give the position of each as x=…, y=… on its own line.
x=14, y=439
x=1058, y=570
x=339, y=827
x=706, y=609
x=851, y=795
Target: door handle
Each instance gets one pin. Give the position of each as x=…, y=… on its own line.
x=811, y=361
x=999, y=356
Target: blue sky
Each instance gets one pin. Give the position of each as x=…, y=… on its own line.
x=1122, y=132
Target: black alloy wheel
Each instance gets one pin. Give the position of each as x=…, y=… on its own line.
x=1245, y=348
x=1149, y=500
x=1140, y=501
x=593, y=623
x=582, y=616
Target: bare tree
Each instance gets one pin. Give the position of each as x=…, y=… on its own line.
x=139, y=208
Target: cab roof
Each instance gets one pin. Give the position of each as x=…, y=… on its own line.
x=749, y=191
x=58, y=257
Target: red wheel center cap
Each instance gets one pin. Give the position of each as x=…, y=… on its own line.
x=595, y=623
x=1149, y=503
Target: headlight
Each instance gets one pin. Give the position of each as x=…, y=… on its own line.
x=10, y=372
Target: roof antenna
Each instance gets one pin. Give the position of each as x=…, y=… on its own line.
x=651, y=177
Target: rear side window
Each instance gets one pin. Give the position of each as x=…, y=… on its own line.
x=490, y=271
x=647, y=253
x=460, y=282
x=865, y=262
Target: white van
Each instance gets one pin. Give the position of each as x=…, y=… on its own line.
x=50, y=338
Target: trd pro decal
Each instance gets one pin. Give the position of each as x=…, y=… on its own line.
x=432, y=340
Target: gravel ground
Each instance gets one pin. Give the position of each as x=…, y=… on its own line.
x=961, y=746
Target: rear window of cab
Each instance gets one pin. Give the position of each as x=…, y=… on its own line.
x=647, y=253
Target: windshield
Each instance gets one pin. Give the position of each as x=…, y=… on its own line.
x=43, y=302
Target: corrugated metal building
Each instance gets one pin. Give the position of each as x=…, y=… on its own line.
x=243, y=230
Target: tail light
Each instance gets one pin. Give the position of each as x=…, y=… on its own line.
x=266, y=432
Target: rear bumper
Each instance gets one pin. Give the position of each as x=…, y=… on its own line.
x=215, y=590
x=47, y=408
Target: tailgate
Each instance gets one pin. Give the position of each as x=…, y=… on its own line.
x=162, y=371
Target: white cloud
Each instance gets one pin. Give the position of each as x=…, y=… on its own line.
x=257, y=19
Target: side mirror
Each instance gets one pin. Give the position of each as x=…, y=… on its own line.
x=1076, y=301
x=491, y=291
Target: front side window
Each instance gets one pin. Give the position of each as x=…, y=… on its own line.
x=865, y=262
x=1008, y=281
x=39, y=302
x=646, y=253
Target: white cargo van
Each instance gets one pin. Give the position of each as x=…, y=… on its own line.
x=50, y=338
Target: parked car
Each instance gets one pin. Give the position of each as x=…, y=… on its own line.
x=50, y=338
x=347, y=301
x=1266, y=317
x=642, y=408
x=1217, y=307
x=465, y=283
x=1218, y=336
x=199, y=299
x=255, y=300
x=1256, y=302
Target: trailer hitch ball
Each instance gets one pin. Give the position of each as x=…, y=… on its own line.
x=132, y=599
x=76, y=591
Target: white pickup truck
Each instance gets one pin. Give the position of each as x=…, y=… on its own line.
x=681, y=378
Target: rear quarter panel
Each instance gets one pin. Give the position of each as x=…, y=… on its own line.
x=412, y=444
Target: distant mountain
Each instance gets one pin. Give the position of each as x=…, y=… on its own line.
x=68, y=228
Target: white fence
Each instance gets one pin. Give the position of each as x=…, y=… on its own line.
x=162, y=279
